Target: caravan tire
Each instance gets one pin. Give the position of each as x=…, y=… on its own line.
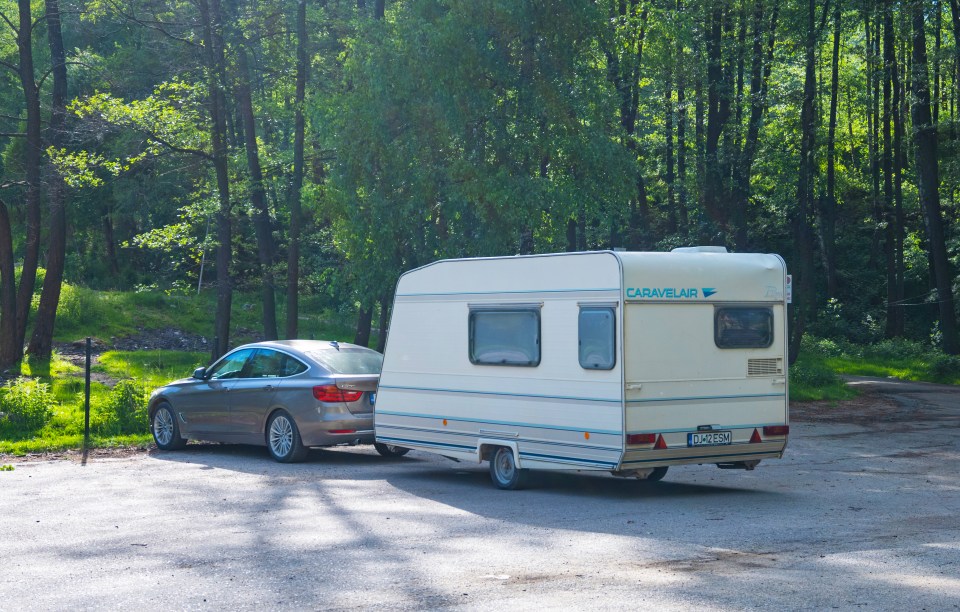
x=504, y=471
x=657, y=474
x=389, y=450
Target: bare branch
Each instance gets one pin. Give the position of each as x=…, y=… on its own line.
x=12, y=67
x=159, y=26
x=9, y=23
x=13, y=134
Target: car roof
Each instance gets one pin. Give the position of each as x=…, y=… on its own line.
x=304, y=346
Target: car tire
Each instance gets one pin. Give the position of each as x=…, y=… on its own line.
x=389, y=450
x=283, y=438
x=165, y=430
x=657, y=474
x=504, y=471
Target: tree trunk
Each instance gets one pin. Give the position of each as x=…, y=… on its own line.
x=928, y=181
x=32, y=156
x=383, y=328
x=41, y=343
x=955, y=21
x=215, y=64
x=364, y=324
x=258, y=197
x=668, y=112
x=890, y=110
x=762, y=65
x=10, y=352
x=829, y=203
x=111, y=243
x=805, y=304
x=681, y=136
x=296, y=184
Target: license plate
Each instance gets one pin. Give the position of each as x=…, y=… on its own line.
x=709, y=438
x=373, y=399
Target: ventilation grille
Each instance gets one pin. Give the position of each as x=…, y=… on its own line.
x=765, y=367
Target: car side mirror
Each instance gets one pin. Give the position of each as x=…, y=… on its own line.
x=200, y=373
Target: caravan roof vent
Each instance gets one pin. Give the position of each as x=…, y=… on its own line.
x=700, y=249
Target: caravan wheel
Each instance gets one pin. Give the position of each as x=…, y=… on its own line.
x=657, y=474
x=504, y=471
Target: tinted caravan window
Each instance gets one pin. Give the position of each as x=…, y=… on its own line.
x=597, y=337
x=743, y=327
x=505, y=337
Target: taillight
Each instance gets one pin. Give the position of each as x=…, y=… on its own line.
x=333, y=393
x=343, y=431
x=644, y=438
x=661, y=443
x=776, y=430
x=755, y=438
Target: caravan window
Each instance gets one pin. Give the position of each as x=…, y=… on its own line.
x=743, y=327
x=505, y=337
x=597, y=337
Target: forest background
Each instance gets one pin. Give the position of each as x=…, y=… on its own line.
x=317, y=149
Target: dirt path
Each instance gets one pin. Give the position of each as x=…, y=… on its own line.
x=886, y=403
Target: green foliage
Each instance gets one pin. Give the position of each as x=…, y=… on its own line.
x=27, y=405
x=124, y=410
x=895, y=358
x=150, y=368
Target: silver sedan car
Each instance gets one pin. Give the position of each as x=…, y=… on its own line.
x=287, y=395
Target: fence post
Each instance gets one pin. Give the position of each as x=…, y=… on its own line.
x=86, y=400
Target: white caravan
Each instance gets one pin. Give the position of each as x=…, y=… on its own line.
x=624, y=362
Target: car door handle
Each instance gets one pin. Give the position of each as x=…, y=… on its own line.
x=268, y=387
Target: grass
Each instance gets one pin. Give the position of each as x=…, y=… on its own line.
x=106, y=314
x=928, y=369
x=813, y=379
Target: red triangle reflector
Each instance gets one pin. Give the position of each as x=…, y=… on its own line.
x=755, y=437
x=660, y=445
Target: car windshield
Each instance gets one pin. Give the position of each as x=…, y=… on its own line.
x=349, y=361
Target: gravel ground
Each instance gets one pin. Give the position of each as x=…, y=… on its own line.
x=862, y=513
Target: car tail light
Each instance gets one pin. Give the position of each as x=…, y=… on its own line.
x=661, y=444
x=755, y=438
x=343, y=431
x=333, y=393
x=776, y=430
x=644, y=438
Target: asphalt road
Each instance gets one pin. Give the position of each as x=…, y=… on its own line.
x=862, y=513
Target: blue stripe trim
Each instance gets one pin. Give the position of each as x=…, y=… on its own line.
x=705, y=397
x=487, y=422
x=520, y=292
x=730, y=456
x=502, y=394
x=401, y=441
x=558, y=458
x=688, y=429
x=593, y=447
x=534, y=456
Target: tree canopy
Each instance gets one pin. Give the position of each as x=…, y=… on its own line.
x=326, y=146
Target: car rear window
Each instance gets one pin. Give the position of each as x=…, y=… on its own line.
x=349, y=361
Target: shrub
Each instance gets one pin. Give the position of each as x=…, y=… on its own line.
x=824, y=347
x=898, y=348
x=813, y=374
x=79, y=307
x=945, y=367
x=27, y=403
x=124, y=411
